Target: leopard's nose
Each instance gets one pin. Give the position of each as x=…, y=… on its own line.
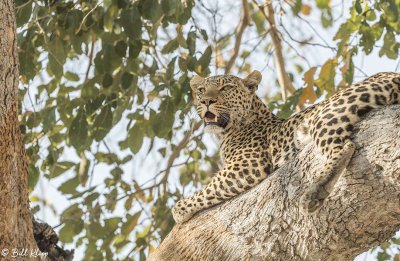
x=208, y=102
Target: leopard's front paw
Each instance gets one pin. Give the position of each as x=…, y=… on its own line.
x=313, y=199
x=181, y=212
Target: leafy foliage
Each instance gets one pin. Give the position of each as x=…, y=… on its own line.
x=105, y=83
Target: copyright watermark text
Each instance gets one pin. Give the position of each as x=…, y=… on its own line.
x=22, y=252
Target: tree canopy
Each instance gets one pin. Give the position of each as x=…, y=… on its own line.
x=106, y=83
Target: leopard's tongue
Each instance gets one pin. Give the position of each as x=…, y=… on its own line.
x=210, y=117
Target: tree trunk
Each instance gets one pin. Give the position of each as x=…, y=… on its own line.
x=15, y=216
x=266, y=223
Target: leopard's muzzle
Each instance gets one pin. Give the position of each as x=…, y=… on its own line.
x=211, y=119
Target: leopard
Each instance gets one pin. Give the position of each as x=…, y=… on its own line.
x=254, y=142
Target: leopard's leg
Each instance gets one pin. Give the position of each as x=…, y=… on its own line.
x=338, y=157
x=232, y=180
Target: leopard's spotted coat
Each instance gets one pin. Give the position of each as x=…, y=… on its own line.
x=254, y=142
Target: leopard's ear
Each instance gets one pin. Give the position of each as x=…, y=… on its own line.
x=195, y=82
x=252, y=80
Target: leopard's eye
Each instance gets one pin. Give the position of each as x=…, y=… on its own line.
x=201, y=90
x=225, y=88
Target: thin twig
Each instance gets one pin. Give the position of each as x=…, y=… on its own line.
x=176, y=152
x=90, y=57
x=304, y=42
x=86, y=16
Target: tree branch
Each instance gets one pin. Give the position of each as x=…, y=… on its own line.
x=244, y=22
x=266, y=223
x=176, y=152
x=283, y=78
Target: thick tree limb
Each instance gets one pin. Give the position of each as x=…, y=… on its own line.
x=266, y=223
x=15, y=219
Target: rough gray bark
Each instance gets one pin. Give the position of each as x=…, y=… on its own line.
x=266, y=223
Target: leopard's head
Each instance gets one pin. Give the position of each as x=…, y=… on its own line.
x=224, y=101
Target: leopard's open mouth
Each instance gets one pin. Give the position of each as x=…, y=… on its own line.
x=212, y=119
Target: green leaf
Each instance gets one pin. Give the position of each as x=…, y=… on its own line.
x=103, y=123
x=326, y=18
x=69, y=186
x=120, y=242
x=152, y=10
x=96, y=230
x=383, y=256
x=170, y=46
x=131, y=22
x=345, y=30
x=323, y=4
x=128, y=202
x=49, y=118
x=107, y=80
x=169, y=7
x=179, y=36
x=391, y=10
x=259, y=21
x=111, y=224
x=390, y=46
x=367, y=40
x=203, y=63
x=111, y=199
x=204, y=34
x=89, y=90
x=130, y=224
x=33, y=176
x=108, y=158
x=357, y=5
x=134, y=49
x=57, y=57
x=126, y=80
x=191, y=42
x=182, y=64
x=24, y=12
x=109, y=17
x=117, y=173
x=69, y=231
x=135, y=138
x=78, y=131
x=92, y=197
x=183, y=11
x=72, y=213
x=289, y=107
x=169, y=75
x=70, y=76
x=34, y=119
x=120, y=48
x=60, y=167
x=163, y=121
